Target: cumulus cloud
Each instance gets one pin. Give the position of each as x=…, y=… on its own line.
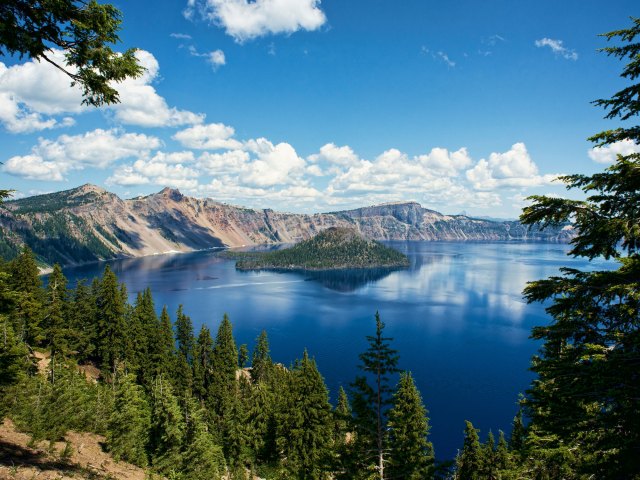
x=215, y=58
x=609, y=153
x=441, y=161
x=52, y=159
x=35, y=95
x=212, y=136
x=232, y=161
x=557, y=47
x=245, y=19
x=159, y=170
x=342, y=156
x=514, y=168
x=275, y=164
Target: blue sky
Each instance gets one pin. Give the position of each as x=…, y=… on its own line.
x=307, y=106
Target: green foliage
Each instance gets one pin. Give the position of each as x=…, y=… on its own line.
x=261, y=363
x=586, y=397
x=167, y=429
x=334, y=248
x=202, y=458
x=113, y=344
x=84, y=30
x=130, y=422
x=28, y=298
x=411, y=455
x=469, y=461
x=305, y=426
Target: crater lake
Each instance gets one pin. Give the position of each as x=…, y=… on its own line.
x=456, y=315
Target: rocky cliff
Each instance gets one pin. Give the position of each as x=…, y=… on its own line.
x=88, y=223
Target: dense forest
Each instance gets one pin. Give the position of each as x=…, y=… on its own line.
x=332, y=249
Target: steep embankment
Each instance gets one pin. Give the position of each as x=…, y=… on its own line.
x=88, y=223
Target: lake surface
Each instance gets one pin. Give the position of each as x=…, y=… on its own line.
x=456, y=315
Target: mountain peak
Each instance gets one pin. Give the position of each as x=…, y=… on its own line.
x=171, y=193
x=89, y=188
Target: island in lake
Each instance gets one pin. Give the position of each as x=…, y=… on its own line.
x=335, y=248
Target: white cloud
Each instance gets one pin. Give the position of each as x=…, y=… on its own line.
x=342, y=156
x=233, y=161
x=514, y=168
x=441, y=161
x=159, y=170
x=445, y=58
x=245, y=19
x=557, y=47
x=98, y=148
x=35, y=94
x=217, y=58
x=180, y=36
x=212, y=136
x=275, y=164
x=34, y=167
x=609, y=153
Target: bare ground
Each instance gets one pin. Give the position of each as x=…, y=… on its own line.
x=19, y=461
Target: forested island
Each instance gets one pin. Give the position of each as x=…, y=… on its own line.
x=335, y=248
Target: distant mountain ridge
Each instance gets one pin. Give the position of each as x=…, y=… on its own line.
x=88, y=223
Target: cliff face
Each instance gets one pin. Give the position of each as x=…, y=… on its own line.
x=88, y=223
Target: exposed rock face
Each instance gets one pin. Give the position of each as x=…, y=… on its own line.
x=88, y=223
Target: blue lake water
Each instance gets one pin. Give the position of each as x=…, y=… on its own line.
x=456, y=315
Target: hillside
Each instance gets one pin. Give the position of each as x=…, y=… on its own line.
x=335, y=248
x=88, y=223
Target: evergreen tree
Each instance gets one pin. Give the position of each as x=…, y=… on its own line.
x=503, y=459
x=518, y=433
x=343, y=436
x=82, y=322
x=305, y=428
x=185, y=350
x=202, y=458
x=489, y=462
x=379, y=361
x=28, y=301
x=202, y=363
x=56, y=325
x=112, y=329
x=224, y=366
x=587, y=393
x=469, y=461
x=166, y=350
x=411, y=455
x=130, y=422
x=261, y=410
x=243, y=355
x=167, y=429
x=261, y=363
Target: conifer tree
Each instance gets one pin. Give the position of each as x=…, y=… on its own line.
x=503, y=459
x=185, y=349
x=130, y=422
x=587, y=392
x=165, y=363
x=202, y=363
x=243, y=355
x=261, y=363
x=469, y=461
x=112, y=329
x=82, y=322
x=369, y=403
x=55, y=325
x=305, y=428
x=202, y=458
x=261, y=410
x=167, y=428
x=26, y=283
x=518, y=434
x=489, y=463
x=224, y=366
x=411, y=455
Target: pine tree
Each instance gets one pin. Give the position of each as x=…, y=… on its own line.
x=130, y=422
x=305, y=427
x=26, y=283
x=518, y=434
x=185, y=350
x=202, y=458
x=343, y=437
x=55, y=324
x=165, y=363
x=469, y=461
x=369, y=404
x=82, y=322
x=261, y=363
x=489, y=464
x=224, y=366
x=411, y=455
x=112, y=329
x=202, y=363
x=503, y=459
x=587, y=393
x=243, y=355
x=167, y=429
